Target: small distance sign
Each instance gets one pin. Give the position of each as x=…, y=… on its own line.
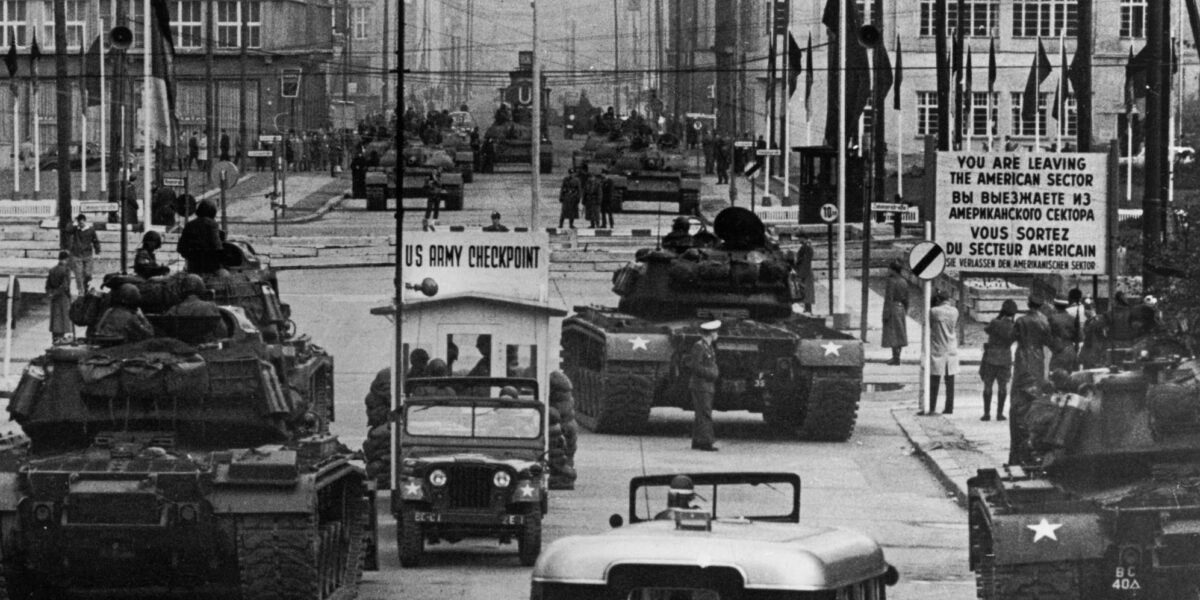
x=260, y=153
x=743, y=144
x=927, y=260
x=174, y=181
x=829, y=212
x=270, y=137
x=768, y=152
x=888, y=207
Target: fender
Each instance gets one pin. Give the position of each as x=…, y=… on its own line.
x=1060, y=537
x=638, y=347
x=830, y=353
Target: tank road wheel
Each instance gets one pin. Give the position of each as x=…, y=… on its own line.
x=625, y=406
x=409, y=541
x=831, y=406
x=529, y=545
x=278, y=557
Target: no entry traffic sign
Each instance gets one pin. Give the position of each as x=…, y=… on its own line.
x=927, y=260
x=829, y=212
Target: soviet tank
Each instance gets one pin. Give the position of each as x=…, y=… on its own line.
x=1107, y=505
x=805, y=378
x=640, y=171
x=187, y=463
x=421, y=162
x=456, y=141
x=509, y=141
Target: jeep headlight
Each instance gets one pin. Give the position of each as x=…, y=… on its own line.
x=437, y=478
x=501, y=479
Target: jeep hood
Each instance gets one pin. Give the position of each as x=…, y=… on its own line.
x=518, y=460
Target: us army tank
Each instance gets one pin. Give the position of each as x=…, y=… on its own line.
x=198, y=461
x=1108, y=506
x=804, y=377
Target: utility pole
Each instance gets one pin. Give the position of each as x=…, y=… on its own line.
x=658, y=61
x=957, y=62
x=536, y=159
x=616, y=60
x=347, y=48
x=1083, y=88
x=383, y=92
x=397, y=382
x=243, y=126
x=1152, y=208
x=63, y=85
x=209, y=85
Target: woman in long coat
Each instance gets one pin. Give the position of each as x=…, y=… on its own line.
x=895, y=312
x=58, y=289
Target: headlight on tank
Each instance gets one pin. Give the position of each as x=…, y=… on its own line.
x=501, y=479
x=437, y=478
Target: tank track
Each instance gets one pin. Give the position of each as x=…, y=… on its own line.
x=1044, y=581
x=291, y=557
x=615, y=401
x=831, y=407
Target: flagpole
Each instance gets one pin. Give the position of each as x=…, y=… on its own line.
x=103, y=117
x=147, y=150
x=840, y=140
x=1129, y=155
x=786, y=93
x=37, y=141
x=83, y=173
x=1173, y=113
x=900, y=152
x=1061, y=97
x=1037, y=99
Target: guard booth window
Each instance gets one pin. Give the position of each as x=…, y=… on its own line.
x=469, y=354
x=520, y=360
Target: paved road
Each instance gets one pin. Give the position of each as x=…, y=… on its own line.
x=871, y=483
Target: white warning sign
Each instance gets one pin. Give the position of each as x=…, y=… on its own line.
x=1023, y=212
x=510, y=264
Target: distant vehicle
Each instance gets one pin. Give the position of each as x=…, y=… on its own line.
x=49, y=160
x=698, y=554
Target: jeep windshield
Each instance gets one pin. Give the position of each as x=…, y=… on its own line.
x=473, y=421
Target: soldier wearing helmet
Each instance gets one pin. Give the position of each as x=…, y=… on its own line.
x=144, y=262
x=200, y=243
x=680, y=239
x=194, y=305
x=679, y=496
x=124, y=321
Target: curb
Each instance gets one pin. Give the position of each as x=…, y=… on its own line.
x=941, y=463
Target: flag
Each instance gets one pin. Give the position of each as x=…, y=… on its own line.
x=1135, y=71
x=35, y=54
x=1061, y=91
x=883, y=71
x=91, y=59
x=794, y=63
x=1130, y=88
x=160, y=116
x=898, y=79
x=967, y=78
x=992, y=69
x=808, y=78
x=10, y=61
x=1038, y=72
x=856, y=72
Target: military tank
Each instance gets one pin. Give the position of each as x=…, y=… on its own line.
x=420, y=162
x=1109, y=505
x=642, y=172
x=805, y=378
x=180, y=465
x=456, y=141
x=509, y=141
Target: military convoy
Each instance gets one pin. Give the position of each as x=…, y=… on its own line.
x=804, y=377
x=179, y=465
x=1109, y=507
x=641, y=172
x=420, y=163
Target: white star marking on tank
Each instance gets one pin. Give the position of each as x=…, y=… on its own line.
x=831, y=349
x=412, y=488
x=639, y=343
x=1044, y=530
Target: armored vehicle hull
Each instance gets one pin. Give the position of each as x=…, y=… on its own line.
x=1109, y=508
x=421, y=162
x=192, y=462
x=512, y=144
x=804, y=377
x=647, y=174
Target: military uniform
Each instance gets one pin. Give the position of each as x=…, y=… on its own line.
x=1032, y=334
x=195, y=307
x=701, y=363
x=128, y=324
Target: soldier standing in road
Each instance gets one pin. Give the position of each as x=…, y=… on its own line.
x=593, y=190
x=706, y=144
x=943, y=351
x=721, y=156
x=804, y=260
x=701, y=365
x=996, y=365
x=1032, y=334
x=568, y=197
x=606, y=203
x=895, y=312
x=58, y=289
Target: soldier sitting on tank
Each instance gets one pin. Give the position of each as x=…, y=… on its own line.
x=200, y=243
x=680, y=239
x=194, y=306
x=124, y=321
x=679, y=496
x=144, y=262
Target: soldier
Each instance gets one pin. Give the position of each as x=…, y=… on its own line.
x=606, y=203
x=707, y=146
x=124, y=321
x=1064, y=327
x=679, y=496
x=593, y=190
x=1032, y=334
x=194, y=306
x=569, y=196
x=680, y=239
x=200, y=243
x=58, y=289
x=895, y=312
x=721, y=156
x=996, y=364
x=496, y=224
x=701, y=364
x=144, y=262
x=433, y=200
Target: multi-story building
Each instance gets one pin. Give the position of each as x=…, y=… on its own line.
x=371, y=53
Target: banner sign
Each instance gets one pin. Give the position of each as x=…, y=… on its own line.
x=510, y=264
x=1023, y=212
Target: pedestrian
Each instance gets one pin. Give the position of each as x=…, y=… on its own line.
x=1064, y=328
x=569, y=197
x=433, y=201
x=223, y=145
x=202, y=151
x=943, y=351
x=144, y=262
x=58, y=290
x=193, y=151
x=895, y=311
x=995, y=367
x=897, y=218
x=607, y=202
x=496, y=224
x=721, y=156
x=1095, y=337
x=1032, y=334
x=707, y=146
x=593, y=190
x=701, y=365
x=83, y=244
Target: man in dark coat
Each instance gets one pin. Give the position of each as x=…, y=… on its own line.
x=804, y=270
x=1031, y=331
x=58, y=290
x=721, y=156
x=1067, y=333
x=144, y=262
x=569, y=196
x=996, y=365
x=701, y=365
x=895, y=312
x=223, y=146
x=200, y=243
x=124, y=321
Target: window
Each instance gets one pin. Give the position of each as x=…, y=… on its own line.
x=1071, y=126
x=228, y=24
x=979, y=113
x=361, y=22
x=189, y=24
x=1133, y=18
x=927, y=123
x=75, y=14
x=13, y=21
x=1033, y=18
x=253, y=23
x=1021, y=127
x=980, y=20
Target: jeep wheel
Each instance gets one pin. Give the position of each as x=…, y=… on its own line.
x=409, y=541
x=625, y=407
x=529, y=545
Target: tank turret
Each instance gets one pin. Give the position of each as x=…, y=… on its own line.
x=736, y=269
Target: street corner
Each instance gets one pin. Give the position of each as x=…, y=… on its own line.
x=951, y=457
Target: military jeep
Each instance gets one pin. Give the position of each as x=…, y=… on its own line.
x=472, y=464
x=754, y=549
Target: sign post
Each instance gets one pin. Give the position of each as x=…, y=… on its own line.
x=926, y=260
x=829, y=214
